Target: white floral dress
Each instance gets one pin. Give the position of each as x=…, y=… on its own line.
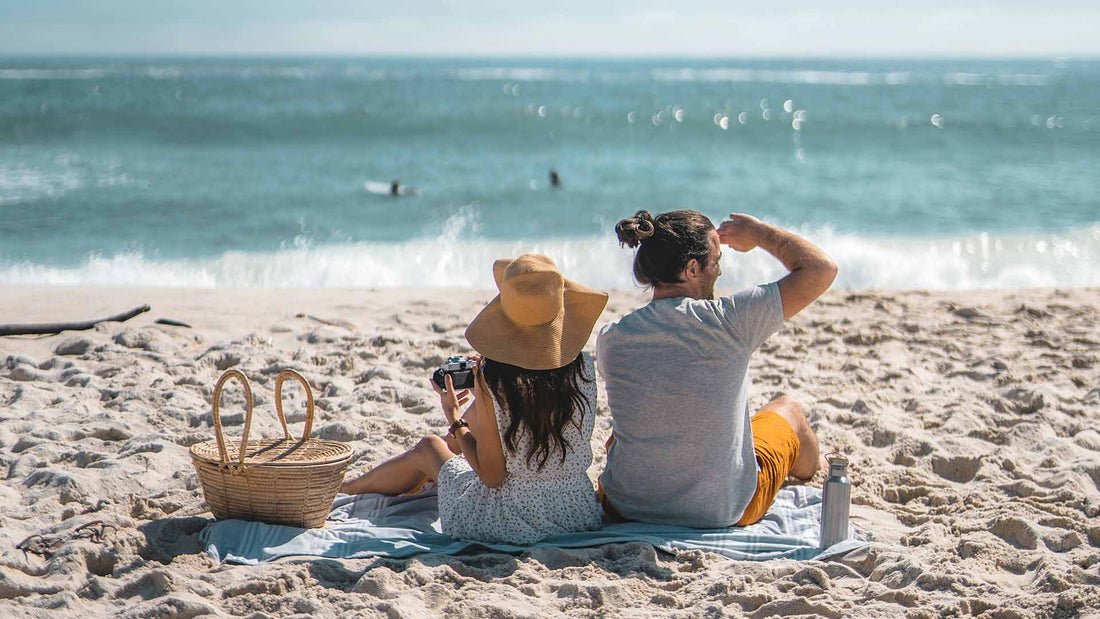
x=531, y=504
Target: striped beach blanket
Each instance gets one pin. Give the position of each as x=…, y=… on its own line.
x=373, y=525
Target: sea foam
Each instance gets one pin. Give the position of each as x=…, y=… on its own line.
x=980, y=261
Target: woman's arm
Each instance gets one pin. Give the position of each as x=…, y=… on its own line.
x=480, y=442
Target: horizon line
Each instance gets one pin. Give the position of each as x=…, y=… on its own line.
x=1052, y=56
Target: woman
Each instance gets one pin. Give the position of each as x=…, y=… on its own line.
x=514, y=467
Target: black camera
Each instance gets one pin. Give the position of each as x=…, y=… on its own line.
x=461, y=370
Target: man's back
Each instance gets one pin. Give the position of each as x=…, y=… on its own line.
x=677, y=379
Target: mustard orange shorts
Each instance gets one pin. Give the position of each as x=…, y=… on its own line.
x=776, y=447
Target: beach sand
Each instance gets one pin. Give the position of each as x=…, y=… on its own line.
x=972, y=421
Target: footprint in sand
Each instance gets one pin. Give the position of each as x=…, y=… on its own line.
x=883, y=437
x=144, y=339
x=959, y=469
x=1089, y=439
x=1017, y=532
x=73, y=346
x=27, y=373
x=1062, y=540
x=1020, y=401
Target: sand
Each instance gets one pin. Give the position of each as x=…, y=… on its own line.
x=971, y=420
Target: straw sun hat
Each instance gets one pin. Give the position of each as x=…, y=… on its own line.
x=540, y=320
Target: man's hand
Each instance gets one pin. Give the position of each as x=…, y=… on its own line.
x=740, y=232
x=811, y=271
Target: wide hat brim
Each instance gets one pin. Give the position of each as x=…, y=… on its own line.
x=546, y=346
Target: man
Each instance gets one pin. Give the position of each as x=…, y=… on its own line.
x=684, y=450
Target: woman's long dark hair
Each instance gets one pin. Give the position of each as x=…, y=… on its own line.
x=543, y=402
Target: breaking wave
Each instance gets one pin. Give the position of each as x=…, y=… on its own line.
x=980, y=261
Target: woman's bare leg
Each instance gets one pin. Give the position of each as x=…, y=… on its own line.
x=404, y=472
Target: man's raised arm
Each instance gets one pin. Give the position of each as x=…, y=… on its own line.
x=811, y=271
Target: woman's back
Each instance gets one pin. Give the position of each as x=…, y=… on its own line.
x=533, y=502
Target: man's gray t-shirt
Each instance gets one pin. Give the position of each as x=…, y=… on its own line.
x=677, y=378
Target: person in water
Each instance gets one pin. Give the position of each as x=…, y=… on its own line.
x=513, y=467
x=397, y=189
x=555, y=180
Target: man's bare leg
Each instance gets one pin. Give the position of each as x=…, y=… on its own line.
x=809, y=459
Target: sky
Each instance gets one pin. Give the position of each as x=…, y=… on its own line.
x=683, y=28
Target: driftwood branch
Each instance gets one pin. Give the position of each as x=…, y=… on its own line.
x=171, y=323
x=58, y=327
x=332, y=323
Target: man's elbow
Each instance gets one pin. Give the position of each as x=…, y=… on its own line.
x=829, y=272
x=819, y=276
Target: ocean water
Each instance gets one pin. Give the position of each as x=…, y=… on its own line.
x=246, y=172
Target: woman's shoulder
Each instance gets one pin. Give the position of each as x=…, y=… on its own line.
x=587, y=383
x=588, y=366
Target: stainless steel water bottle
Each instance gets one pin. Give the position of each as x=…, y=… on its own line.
x=836, y=500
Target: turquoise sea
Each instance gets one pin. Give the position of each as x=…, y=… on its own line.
x=250, y=172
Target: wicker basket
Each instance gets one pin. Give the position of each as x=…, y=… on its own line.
x=278, y=481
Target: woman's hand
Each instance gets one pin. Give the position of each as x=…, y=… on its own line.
x=450, y=401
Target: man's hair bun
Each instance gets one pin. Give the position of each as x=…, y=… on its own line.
x=666, y=244
x=633, y=230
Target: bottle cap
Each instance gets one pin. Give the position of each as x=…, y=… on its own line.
x=837, y=461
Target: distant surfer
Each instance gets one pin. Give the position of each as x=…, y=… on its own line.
x=555, y=180
x=392, y=188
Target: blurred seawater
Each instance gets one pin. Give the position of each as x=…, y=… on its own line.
x=266, y=172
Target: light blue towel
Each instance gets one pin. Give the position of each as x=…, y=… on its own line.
x=373, y=525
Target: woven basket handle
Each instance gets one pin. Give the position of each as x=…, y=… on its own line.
x=218, y=432
x=285, y=374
